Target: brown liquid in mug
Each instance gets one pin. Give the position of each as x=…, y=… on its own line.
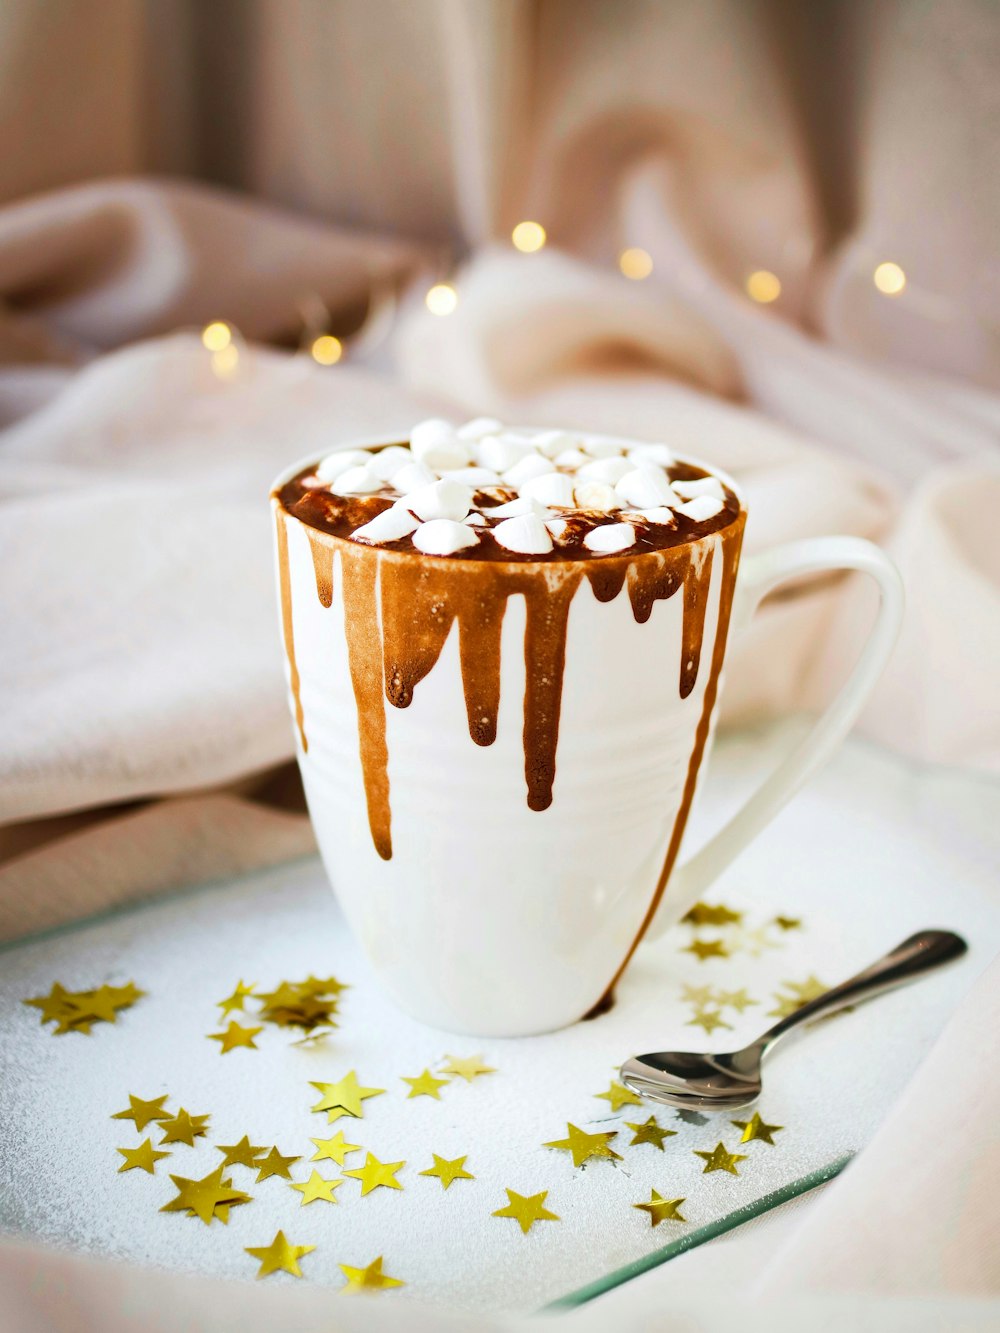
x=399, y=610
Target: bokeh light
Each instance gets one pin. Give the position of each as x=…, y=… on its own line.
x=528, y=237
x=635, y=263
x=217, y=335
x=763, y=286
x=889, y=278
x=441, y=299
x=326, y=349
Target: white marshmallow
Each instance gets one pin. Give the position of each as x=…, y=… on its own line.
x=597, y=448
x=443, y=536
x=557, y=526
x=645, y=488
x=478, y=427
x=526, y=534
x=530, y=466
x=660, y=454
x=441, y=499
x=610, y=537
x=500, y=452
x=661, y=515
x=608, y=470
x=571, y=459
x=596, y=495
x=554, y=488
x=472, y=476
x=412, y=478
x=524, y=504
x=475, y=520
x=435, y=444
x=702, y=507
x=552, y=443
x=387, y=462
x=334, y=464
x=690, y=490
x=356, y=481
x=389, y=526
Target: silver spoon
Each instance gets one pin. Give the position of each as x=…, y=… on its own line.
x=730, y=1079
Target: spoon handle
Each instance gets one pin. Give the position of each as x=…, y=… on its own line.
x=918, y=954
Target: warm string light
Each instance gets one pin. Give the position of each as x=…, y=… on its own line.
x=763, y=286
x=217, y=336
x=226, y=362
x=528, y=237
x=889, y=278
x=326, y=350
x=635, y=263
x=441, y=299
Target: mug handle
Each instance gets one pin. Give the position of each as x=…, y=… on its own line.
x=757, y=577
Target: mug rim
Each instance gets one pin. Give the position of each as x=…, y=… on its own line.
x=372, y=441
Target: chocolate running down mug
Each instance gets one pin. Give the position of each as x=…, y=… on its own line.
x=504, y=677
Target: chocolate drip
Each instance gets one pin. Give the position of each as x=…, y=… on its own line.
x=322, y=554
x=285, y=586
x=697, y=582
x=359, y=571
x=418, y=608
x=606, y=580
x=545, y=661
x=480, y=628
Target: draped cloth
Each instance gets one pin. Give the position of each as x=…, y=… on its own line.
x=367, y=149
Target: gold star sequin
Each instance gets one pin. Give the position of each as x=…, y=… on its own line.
x=144, y=1157
x=375, y=1173
x=787, y=1004
x=583, y=1146
x=274, y=1165
x=753, y=942
x=78, y=1011
x=243, y=1153
x=368, y=1279
x=235, y=1036
x=467, y=1067
x=184, y=1128
x=208, y=1198
x=788, y=922
x=703, y=949
x=755, y=1128
x=810, y=989
x=426, y=1085
x=310, y=1005
x=703, y=914
x=447, y=1171
x=699, y=996
x=235, y=1001
x=649, y=1131
x=335, y=1149
x=709, y=1019
x=279, y=1256
x=720, y=1160
x=53, y=1006
x=322, y=986
x=618, y=1095
x=734, y=999
x=343, y=1098
x=527, y=1209
x=317, y=1187
x=661, y=1210
x=143, y=1112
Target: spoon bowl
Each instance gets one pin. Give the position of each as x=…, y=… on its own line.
x=730, y=1079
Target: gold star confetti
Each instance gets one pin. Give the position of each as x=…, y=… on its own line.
x=145, y=1157
x=753, y=942
x=649, y=1131
x=207, y=1198
x=755, y=1128
x=702, y=914
x=709, y=1019
x=467, y=1067
x=78, y=1011
x=788, y=922
x=734, y=999
x=375, y=1173
x=426, y=1085
x=243, y=1153
x=235, y=1001
x=618, y=1095
x=787, y=1004
x=184, y=1128
x=810, y=989
x=335, y=1149
x=368, y=1279
x=447, y=1171
x=720, y=1160
x=322, y=986
x=343, y=1098
x=661, y=1210
x=274, y=1165
x=583, y=1146
x=143, y=1112
x=699, y=996
x=280, y=1255
x=527, y=1209
x=235, y=1036
x=310, y=1004
x=703, y=949
x=317, y=1187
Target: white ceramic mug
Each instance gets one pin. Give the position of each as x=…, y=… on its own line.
x=478, y=913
